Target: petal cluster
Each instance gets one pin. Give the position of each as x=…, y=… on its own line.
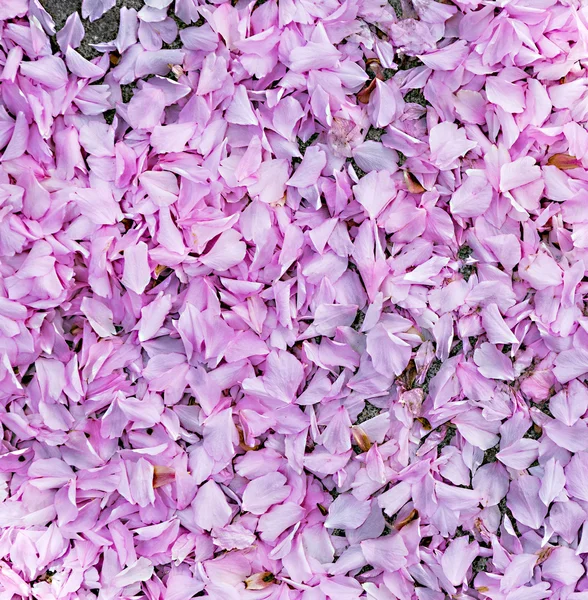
x=293, y=301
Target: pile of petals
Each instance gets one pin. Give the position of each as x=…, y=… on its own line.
x=292, y=301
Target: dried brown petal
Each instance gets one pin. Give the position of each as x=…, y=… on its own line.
x=242, y=443
x=409, y=375
x=544, y=554
x=259, y=581
x=361, y=438
x=378, y=71
x=363, y=96
x=413, y=400
x=564, y=162
x=408, y=519
x=177, y=70
x=162, y=476
x=425, y=423
x=412, y=183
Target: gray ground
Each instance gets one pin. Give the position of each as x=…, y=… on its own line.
x=102, y=30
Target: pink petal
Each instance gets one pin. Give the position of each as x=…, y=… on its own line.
x=508, y=96
x=520, y=455
x=271, y=181
x=263, y=492
x=374, y=192
x=388, y=552
x=48, y=71
x=524, y=502
x=386, y=103
x=210, y=506
x=171, y=138
x=473, y=197
x=457, y=559
x=309, y=170
x=448, y=143
x=563, y=566
x=72, y=33
x=228, y=251
x=81, y=67
x=389, y=353
x=518, y=173
x=570, y=364
x=346, y=512
x=492, y=363
x=146, y=108
x=240, y=110
x=447, y=58
x=137, y=273
x=94, y=9
x=497, y=330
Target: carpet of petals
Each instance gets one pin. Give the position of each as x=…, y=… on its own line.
x=292, y=301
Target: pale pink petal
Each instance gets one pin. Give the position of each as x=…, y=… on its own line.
x=563, y=566
x=49, y=71
x=570, y=364
x=457, y=559
x=270, y=186
x=523, y=501
x=509, y=96
x=386, y=103
x=492, y=363
x=263, y=492
x=497, y=330
x=309, y=170
x=473, y=197
x=72, y=33
x=520, y=455
x=140, y=570
x=374, y=192
x=171, y=138
x=347, y=512
x=518, y=173
x=228, y=251
x=137, y=272
x=388, y=552
x=448, y=143
x=99, y=315
x=389, y=353
x=447, y=58
x=81, y=67
x=240, y=110
x=210, y=506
